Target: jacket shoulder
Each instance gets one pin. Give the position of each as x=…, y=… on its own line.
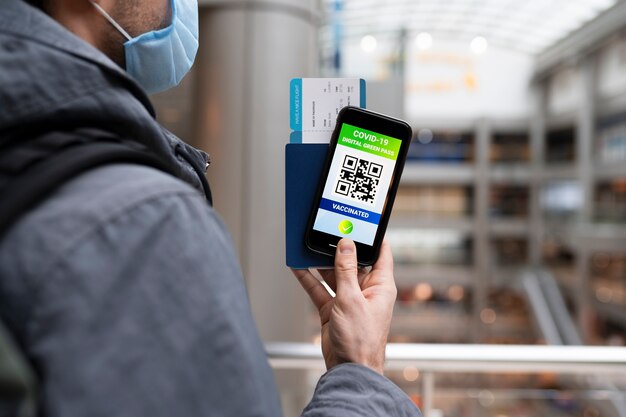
x=80, y=207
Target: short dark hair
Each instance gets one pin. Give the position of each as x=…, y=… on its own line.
x=36, y=3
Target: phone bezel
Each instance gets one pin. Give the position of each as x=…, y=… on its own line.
x=326, y=243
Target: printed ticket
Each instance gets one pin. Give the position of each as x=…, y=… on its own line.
x=316, y=102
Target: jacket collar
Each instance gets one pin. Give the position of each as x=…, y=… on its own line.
x=51, y=80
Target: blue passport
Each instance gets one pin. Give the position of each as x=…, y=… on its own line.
x=303, y=167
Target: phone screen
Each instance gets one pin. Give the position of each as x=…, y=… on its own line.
x=358, y=182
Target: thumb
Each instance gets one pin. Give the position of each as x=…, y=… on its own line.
x=346, y=268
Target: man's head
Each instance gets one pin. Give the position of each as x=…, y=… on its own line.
x=128, y=31
x=134, y=16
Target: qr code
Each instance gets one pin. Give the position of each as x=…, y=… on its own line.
x=358, y=179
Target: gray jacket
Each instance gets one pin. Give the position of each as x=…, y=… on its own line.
x=123, y=288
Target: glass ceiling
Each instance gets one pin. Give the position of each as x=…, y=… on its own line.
x=528, y=26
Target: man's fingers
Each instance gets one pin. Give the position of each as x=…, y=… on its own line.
x=346, y=268
x=328, y=275
x=363, y=273
x=313, y=287
x=385, y=260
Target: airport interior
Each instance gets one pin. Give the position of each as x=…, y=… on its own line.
x=509, y=227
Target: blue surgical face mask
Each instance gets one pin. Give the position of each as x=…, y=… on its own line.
x=159, y=59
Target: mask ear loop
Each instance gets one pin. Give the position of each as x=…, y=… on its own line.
x=110, y=19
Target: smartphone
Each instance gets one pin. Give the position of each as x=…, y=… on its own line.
x=359, y=182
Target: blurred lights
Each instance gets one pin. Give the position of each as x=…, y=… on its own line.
x=368, y=43
x=411, y=373
x=456, y=293
x=423, y=292
x=488, y=316
x=529, y=27
x=425, y=136
x=604, y=294
x=424, y=41
x=479, y=45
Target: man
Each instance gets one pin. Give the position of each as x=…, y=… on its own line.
x=123, y=288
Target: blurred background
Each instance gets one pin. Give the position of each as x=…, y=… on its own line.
x=510, y=223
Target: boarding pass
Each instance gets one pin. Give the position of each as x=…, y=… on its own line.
x=316, y=102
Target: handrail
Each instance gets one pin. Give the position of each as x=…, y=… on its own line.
x=469, y=358
x=441, y=358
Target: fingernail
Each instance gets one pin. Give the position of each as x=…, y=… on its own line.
x=346, y=246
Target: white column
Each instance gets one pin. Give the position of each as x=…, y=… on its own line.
x=483, y=265
x=537, y=165
x=249, y=50
x=585, y=129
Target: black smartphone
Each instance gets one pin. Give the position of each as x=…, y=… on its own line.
x=359, y=182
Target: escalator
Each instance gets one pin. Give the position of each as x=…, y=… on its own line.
x=555, y=324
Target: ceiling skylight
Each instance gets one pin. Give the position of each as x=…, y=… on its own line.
x=527, y=26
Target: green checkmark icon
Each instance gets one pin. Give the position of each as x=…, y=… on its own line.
x=345, y=227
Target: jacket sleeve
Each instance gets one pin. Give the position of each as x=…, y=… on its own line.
x=351, y=390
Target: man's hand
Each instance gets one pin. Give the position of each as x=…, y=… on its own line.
x=355, y=324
